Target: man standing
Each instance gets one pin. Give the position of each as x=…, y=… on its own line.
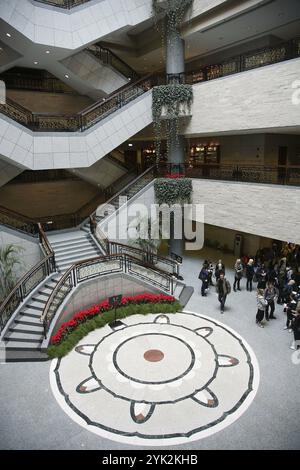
x=270, y=296
x=204, y=276
x=223, y=288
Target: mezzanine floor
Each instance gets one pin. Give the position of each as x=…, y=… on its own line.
x=32, y=419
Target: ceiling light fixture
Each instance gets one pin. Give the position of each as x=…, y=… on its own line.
x=130, y=145
x=35, y=62
x=8, y=35
x=66, y=75
x=47, y=52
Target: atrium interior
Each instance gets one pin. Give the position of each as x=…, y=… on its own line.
x=150, y=224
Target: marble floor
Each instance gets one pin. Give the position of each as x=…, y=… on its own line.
x=233, y=385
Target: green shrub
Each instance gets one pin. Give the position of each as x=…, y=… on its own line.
x=99, y=321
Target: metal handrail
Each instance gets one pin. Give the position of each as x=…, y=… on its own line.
x=72, y=273
x=20, y=290
x=281, y=174
x=81, y=121
x=67, y=4
x=131, y=183
x=110, y=58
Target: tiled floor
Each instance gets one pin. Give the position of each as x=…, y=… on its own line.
x=31, y=418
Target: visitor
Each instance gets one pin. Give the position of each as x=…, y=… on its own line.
x=249, y=274
x=290, y=311
x=289, y=288
x=238, y=274
x=223, y=288
x=93, y=224
x=261, y=307
x=210, y=273
x=270, y=296
x=220, y=269
x=296, y=330
x=204, y=277
x=261, y=274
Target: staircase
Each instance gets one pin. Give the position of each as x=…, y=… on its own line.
x=23, y=339
x=72, y=246
x=129, y=191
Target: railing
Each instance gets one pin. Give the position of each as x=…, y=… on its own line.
x=247, y=61
x=99, y=267
x=289, y=175
x=100, y=110
x=67, y=4
x=128, y=191
x=148, y=258
x=18, y=81
x=29, y=281
x=79, y=122
x=18, y=222
x=108, y=57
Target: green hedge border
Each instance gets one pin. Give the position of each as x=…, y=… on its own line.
x=101, y=320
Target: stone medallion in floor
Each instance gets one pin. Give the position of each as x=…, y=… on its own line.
x=157, y=379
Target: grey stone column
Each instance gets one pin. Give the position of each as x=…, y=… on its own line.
x=175, y=53
x=175, y=64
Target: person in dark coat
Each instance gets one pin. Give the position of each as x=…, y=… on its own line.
x=93, y=224
x=223, y=288
x=290, y=312
x=296, y=330
x=249, y=274
x=261, y=274
x=204, y=277
x=270, y=296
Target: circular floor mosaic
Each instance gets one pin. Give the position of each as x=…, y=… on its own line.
x=157, y=379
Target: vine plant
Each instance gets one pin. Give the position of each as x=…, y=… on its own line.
x=171, y=98
x=174, y=96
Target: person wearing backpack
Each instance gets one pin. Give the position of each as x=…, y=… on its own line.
x=223, y=288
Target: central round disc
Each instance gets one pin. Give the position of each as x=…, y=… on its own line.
x=153, y=355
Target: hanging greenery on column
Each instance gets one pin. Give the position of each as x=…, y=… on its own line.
x=174, y=11
x=173, y=191
x=172, y=98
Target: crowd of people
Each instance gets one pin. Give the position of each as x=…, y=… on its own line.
x=276, y=275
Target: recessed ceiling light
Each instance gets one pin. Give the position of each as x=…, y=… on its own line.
x=8, y=35
x=47, y=52
x=130, y=145
x=129, y=79
x=66, y=75
x=35, y=62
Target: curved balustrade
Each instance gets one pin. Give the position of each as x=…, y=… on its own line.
x=99, y=267
x=29, y=281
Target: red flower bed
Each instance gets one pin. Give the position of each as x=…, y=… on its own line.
x=103, y=307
